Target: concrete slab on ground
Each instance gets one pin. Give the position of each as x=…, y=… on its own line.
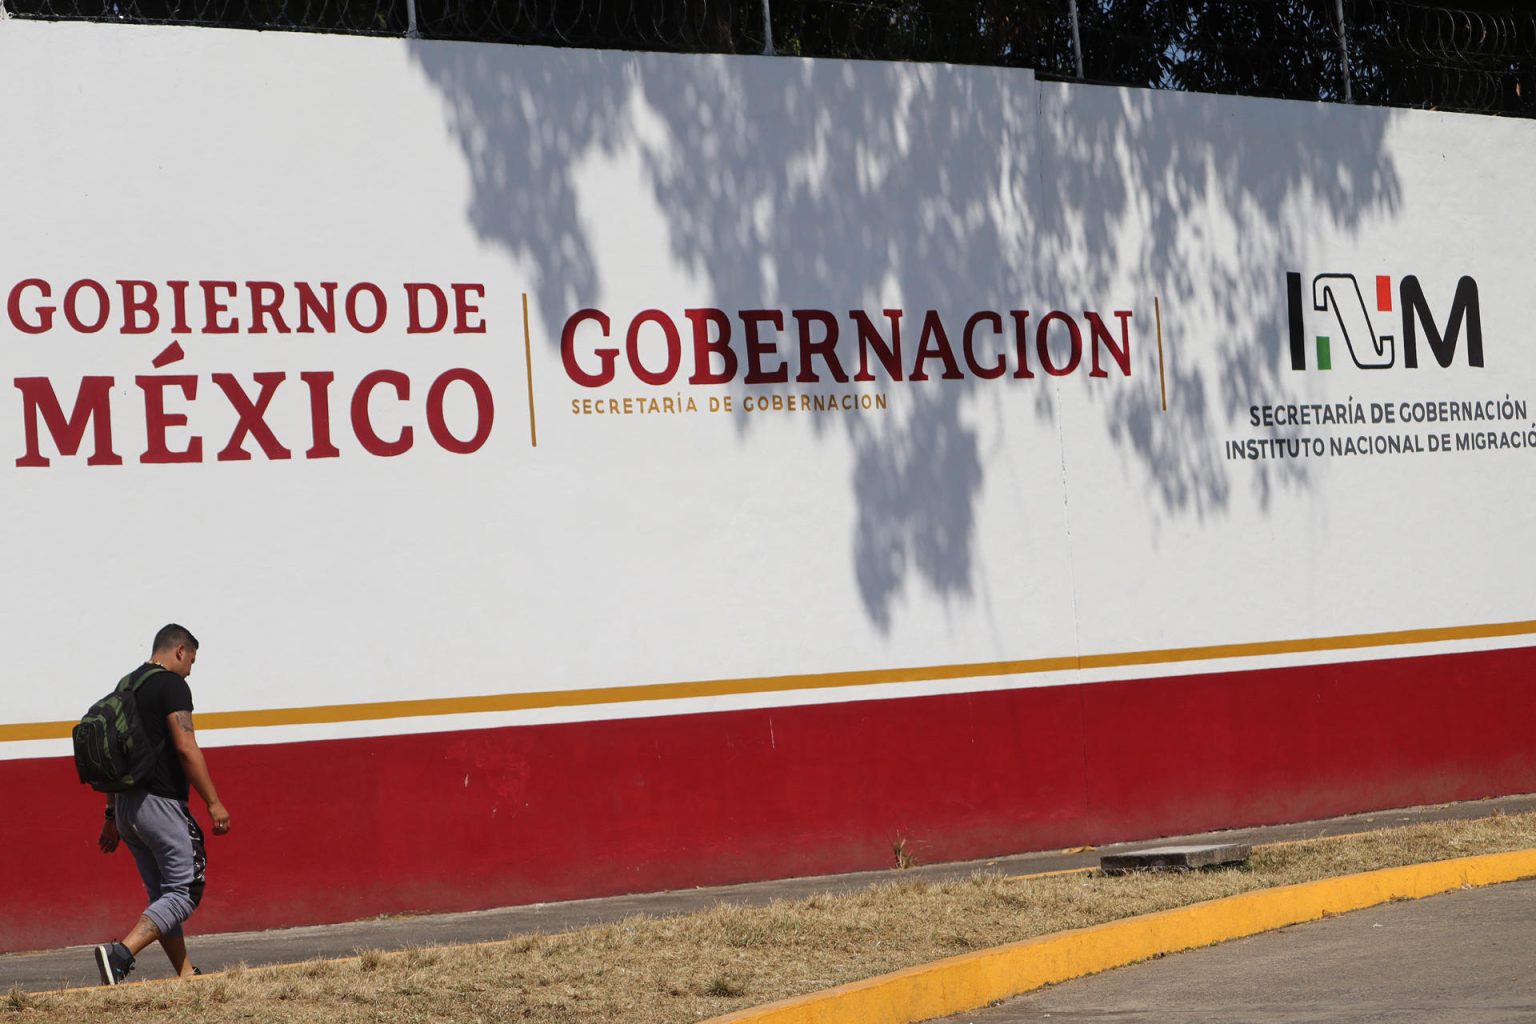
x=72, y=966
x=1190, y=857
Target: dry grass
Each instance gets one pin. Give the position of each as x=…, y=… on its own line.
x=689, y=968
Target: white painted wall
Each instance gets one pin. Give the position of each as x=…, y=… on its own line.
x=972, y=521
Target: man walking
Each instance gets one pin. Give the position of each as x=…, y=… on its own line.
x=153, y=819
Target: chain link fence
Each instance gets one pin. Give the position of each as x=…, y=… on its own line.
x=1479, y=58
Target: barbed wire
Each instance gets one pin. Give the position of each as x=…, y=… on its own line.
x=1445, y=58
x=703, y=26
x=349, y=17
x=1479, y=57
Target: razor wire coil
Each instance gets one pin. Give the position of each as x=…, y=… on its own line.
x=1478, y=58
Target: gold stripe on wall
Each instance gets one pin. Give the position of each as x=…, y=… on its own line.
x=433, y=706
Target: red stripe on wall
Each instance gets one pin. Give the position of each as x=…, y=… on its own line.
x=342, y=829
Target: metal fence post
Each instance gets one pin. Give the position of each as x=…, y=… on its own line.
x=1077, y=41
x=411, y=31
x=767, y=28
x=1344, y=51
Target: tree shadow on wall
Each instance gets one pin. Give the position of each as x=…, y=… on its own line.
x=786, y=183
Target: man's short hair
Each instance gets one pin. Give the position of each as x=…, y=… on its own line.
x=173, y=635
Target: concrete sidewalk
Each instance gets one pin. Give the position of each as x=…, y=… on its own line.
x=72, y=966
x=1461, y=956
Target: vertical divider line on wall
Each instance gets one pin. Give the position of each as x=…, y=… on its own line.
x=1162, y=379
x=533, y=424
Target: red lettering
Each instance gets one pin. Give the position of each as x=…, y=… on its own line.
x=179, y=306
x=889, y=355
x=362, y=424
x=463, y=309
x=826, y=348
x=135, y=306
x=380, y=307
x=139, y=300
x=753, y=319
x=157, y=420
x=606, y=356
x=933, y=343
x=669, y=335
x=413, y=294
x=704, y=350
x=485, y=411
x=310, y=304
x=1101, y=338
x=1021, y=343
x=72, y=311
x=266, y=301
x=213, y=308
x=172, y=353
x=92, y=406
x=251, y=422
x=44, y=313
x=319, y=382
x=1043, y=343
x=969, y=348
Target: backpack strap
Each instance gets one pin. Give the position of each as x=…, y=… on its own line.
x=132, y=681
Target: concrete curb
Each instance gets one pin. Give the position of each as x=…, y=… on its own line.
x=974, y=980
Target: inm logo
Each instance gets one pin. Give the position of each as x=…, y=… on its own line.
x=1354, y=322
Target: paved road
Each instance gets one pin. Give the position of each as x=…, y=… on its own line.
x=51, y=969
x=1467, y=957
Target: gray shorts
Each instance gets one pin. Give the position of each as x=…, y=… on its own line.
x=167, y=845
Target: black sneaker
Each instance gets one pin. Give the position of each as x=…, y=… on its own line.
x=113, y=962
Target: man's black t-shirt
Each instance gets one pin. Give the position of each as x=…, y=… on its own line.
x=161, y=695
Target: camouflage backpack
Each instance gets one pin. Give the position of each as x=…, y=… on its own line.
x=112, y=751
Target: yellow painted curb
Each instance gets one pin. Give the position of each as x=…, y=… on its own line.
x=975, y=979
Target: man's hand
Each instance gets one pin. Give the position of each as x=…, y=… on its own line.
x=109, y=837
x=220, y=816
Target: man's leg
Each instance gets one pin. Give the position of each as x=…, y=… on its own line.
x=114, y=960
x=173, y=943
x=167, y=846
x=175, y=947
x=176, y=843
x=144, y=932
